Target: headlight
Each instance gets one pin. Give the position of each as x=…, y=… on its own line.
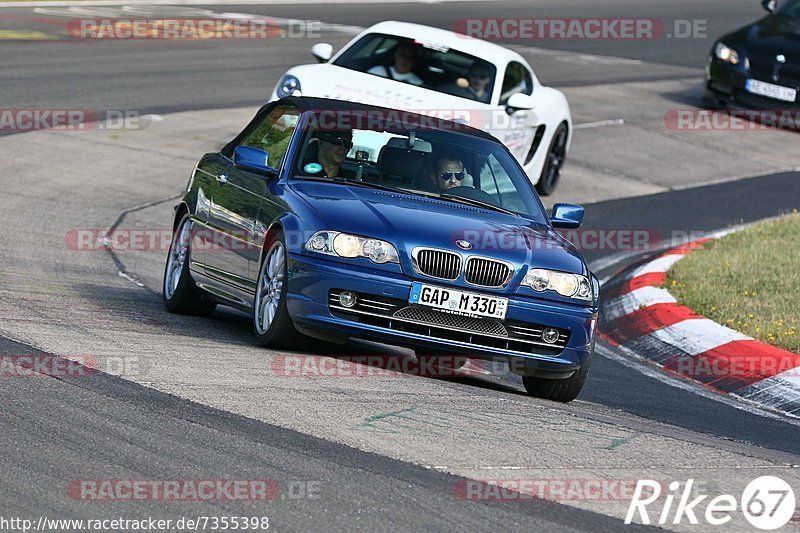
x=726, y=53
x=569, y=285
x=288, y=86
x=346, y=245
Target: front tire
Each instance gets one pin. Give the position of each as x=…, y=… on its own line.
x=556, y=154
x=271, y=321
x=179, y=292
x=558, y=390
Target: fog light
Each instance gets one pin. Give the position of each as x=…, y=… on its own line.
x=347, y=299
x=550, y=335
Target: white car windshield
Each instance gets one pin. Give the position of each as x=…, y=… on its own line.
x=790, y=9
x=449, y=165
x=423, y=64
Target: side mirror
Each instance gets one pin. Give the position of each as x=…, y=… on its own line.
x=253, y=160
x=567, y=216
x=769, y=5
x=519, y=101
x=322, y=51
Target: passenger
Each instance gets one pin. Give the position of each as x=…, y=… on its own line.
x=333, y=147
x=477, y=86
x=405, y=57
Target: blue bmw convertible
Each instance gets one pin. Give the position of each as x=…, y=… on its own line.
x=329, y=220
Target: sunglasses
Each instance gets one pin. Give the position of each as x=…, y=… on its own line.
x=340, y=141
x=446, y=176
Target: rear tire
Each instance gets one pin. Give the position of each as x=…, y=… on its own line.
x=556, y=154
x=179, y=292
x=271, y=321
x=558, y=390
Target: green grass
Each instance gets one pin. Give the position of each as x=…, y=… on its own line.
x=748, y=281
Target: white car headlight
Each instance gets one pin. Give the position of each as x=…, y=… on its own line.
x=565, y=284
x=350, y=246
x=726, y=53
x=288, y=86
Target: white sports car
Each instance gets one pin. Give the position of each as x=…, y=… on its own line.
x=437, y=72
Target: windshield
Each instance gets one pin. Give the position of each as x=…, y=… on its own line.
x=448, y=165
x=423, y=64
x=791, y=9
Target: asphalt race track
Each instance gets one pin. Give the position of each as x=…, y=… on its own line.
x=187, y=398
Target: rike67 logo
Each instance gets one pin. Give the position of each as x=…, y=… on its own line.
x=767, y=503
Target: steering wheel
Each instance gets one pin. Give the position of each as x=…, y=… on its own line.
x=472, y=193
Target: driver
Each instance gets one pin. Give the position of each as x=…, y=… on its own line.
x=449, y=173
x=405, y=57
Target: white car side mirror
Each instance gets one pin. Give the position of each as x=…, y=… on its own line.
x=322, y=51
x=520, y=101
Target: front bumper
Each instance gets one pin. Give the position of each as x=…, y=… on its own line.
x=313, y=280
x=727, y=82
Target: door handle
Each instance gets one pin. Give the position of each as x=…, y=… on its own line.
x=222, y=179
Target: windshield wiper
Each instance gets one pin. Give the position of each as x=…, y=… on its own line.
x=476, y=203
x=370, y=185
x=366, y=184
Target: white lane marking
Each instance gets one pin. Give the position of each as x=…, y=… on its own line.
x=661, y=264
x=696, y=335
x=635, y=300
x=188, y=12
x=633, y=361
x=215, y=2
x=575, y=58
x=146, y=11
x=130, y=278
x=599, y=124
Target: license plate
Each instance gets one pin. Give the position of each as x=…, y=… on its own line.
x=458, y=302
x=771, y=90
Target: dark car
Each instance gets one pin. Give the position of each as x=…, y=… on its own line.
x=759, y=65
x=332, y=220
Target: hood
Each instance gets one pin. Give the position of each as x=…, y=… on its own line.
x=762, y=43
x=773, y=32
x=413, y=221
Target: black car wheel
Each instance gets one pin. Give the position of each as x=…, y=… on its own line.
x=271, y=321
x=179, y=291
x=556, y=154
x=559, y=390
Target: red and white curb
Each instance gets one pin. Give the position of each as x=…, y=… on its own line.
x=643, y=318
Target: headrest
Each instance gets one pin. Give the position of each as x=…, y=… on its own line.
x=401, y=164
